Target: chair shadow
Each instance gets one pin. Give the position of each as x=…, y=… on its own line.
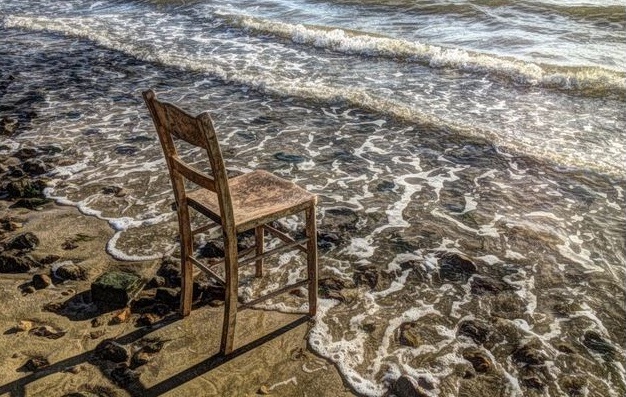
x=134, y=387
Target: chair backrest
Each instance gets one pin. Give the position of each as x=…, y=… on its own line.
x=169, y=120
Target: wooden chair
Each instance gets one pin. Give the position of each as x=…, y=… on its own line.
x=245, y=202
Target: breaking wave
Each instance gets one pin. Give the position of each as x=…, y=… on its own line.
x=591, y=80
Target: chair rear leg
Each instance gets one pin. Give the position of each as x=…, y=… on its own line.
x=259, y=241
x=311, y=232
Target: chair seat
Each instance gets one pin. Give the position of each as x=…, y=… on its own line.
x=258, y=197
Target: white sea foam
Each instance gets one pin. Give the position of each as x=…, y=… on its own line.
x=352, y=42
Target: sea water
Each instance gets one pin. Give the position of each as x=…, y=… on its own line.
x=487, y=130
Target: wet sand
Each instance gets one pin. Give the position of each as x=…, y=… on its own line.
x=184, y=362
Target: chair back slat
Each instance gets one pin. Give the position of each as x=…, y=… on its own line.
x=193, y=174
x=183, y=126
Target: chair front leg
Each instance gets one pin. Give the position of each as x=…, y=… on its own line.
x=230, y=300
x=186, y=250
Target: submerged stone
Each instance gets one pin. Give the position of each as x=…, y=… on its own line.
x=114, y=289
x=477, y=331
x=406, y=386
x=529, y=355
x=367, y=275
x=34, y=167
x=595, y=342
x=289, y=158
x=487, y=285
x=479, y=361
x=455, y=267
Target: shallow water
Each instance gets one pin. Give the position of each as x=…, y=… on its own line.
x=490, y=130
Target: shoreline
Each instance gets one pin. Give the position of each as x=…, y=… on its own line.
x=52, y=338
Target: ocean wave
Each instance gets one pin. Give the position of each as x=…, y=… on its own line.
x=592, y=81
x=268, y=82
x=599, y=12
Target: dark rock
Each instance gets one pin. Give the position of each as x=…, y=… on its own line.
x=212, y=249
x=16, y=172
x=111, y=351
x=529, y=355
x=114, y=289
x=476, y=330
x=139, y=358
x=69, y=245
x=8, y=125
x=594, y=341
x=34, y=167
x=406, y=386
x=29, y=289
x=479, y=361
x=117, y=191
x=331, y=286
x=169, y=296
x=455, y=267
x=26, y=188
x=367, y=275
x=48, y=259
x=71, y=271
x=36, y=363
x=124, y=376
x=152, y=345
x=409, y=334
x=97, y=321
x=207, y=289
x=170, y=270
x=24, y=242
x=127, y=150
x=47, y=331
x=327, y=240
x=418, y=272
x=41, y=281
x=97, y=334
x=245, y=240
x=10, y=262
x=31, y=203
x=148, y=319
x=54, y=307
x=289, y=158
x=487, y=285
x=25, y=153
x=49, y=149
x=342, y=218
x=385, y=186
x=155, y=282
x=73, y=115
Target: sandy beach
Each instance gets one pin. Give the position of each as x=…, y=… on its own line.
x=52, y=336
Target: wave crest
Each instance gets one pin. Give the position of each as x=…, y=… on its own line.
x=589, y=80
